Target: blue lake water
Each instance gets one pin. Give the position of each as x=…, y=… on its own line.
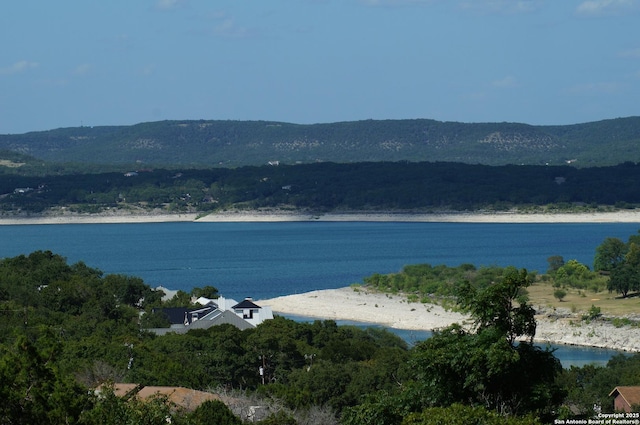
x=265, y=260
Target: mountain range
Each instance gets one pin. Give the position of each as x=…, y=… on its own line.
x=216, y=143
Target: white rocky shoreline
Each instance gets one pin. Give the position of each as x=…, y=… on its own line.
x=597, y=333
x=394, y=311
x=119, y=215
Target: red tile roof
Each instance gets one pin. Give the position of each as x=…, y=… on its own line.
x=183, y=397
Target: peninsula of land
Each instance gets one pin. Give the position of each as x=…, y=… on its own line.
x=394, y=311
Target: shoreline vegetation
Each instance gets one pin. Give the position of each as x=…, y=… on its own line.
x=394, y=311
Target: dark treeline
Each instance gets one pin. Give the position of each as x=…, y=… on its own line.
x=331, y=186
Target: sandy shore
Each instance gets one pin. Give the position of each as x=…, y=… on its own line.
x=625, y=216
x=362, y=305
x=98, y=219
x=394, y=311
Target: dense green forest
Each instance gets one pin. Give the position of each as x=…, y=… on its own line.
x=66, y=328
x=323, y=187
x=205, y=144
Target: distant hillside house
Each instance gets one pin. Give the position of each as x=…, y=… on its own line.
x=626, y=399
x=243, y=315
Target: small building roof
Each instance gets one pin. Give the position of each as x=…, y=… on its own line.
x=205, y=301
x=184, y=397
x=214, y=318
x=120, y=389
x=174, y=314
x=177, y=315
x=246, y=303
x=190, y=399
x=631, y=395
x=220, y=318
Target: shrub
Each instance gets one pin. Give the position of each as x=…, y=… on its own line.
x=559, y=294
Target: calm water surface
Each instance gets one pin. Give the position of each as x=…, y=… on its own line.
x=270, y=259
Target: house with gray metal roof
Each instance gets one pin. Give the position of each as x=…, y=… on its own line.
x=243, y=315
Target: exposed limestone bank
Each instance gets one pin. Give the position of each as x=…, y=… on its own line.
x=597, y=333
x=108, y=217
x=394, y=311
x=626, y=216
x=119, y=215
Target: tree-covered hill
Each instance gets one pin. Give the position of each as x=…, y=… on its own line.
x=235, y=143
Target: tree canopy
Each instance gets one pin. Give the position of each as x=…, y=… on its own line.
x=501, y=306
x=490, y=365
x=621, y=261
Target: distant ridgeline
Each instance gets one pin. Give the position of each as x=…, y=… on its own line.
x=205, y=144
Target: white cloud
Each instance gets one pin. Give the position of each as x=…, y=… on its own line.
x=392, y=3
x=18, y=67
x=475, y=96
x=229, y=29
x=147, y=70
x=170, y=4
x=53, y=82
x=505, y=83
x=502, y=6
x=631, y=53
x=596, y=88
x=607, y=7
x=82, y=69
x=222, y=25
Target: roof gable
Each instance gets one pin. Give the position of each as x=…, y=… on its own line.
x=225, y=317
x=631, y=395
x=178, y=315
x=174, y=314
x=213, y=319
x=247, y=303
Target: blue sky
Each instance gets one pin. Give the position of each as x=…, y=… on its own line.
x=119, y=62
